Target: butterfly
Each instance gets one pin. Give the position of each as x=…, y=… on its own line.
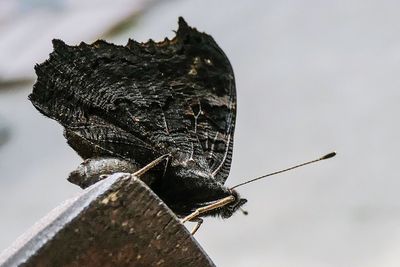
x=164, y=111
x=125, y=106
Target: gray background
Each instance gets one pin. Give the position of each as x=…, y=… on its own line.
x=312, y=76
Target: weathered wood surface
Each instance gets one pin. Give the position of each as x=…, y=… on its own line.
x=117, y=222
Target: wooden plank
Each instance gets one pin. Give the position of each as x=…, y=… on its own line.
x=116, y=222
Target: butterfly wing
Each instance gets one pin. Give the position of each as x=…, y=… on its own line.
x=144, y=100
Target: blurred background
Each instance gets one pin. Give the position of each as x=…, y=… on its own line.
x=311, y=76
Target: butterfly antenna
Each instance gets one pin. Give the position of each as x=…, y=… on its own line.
x=327, y=156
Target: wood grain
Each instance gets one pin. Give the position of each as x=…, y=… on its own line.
x=116, y=222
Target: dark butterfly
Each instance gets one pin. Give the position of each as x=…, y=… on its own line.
x=124, y=106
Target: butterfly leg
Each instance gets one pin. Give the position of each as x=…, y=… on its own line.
x=199, y=222
x=215, y=205
x=151, y=165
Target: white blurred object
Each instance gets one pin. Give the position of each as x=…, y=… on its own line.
x=27, y=28
x=4, y=131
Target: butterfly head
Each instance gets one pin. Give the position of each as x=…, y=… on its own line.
x=229, y=209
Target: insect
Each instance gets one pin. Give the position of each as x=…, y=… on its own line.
x=172, y=103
